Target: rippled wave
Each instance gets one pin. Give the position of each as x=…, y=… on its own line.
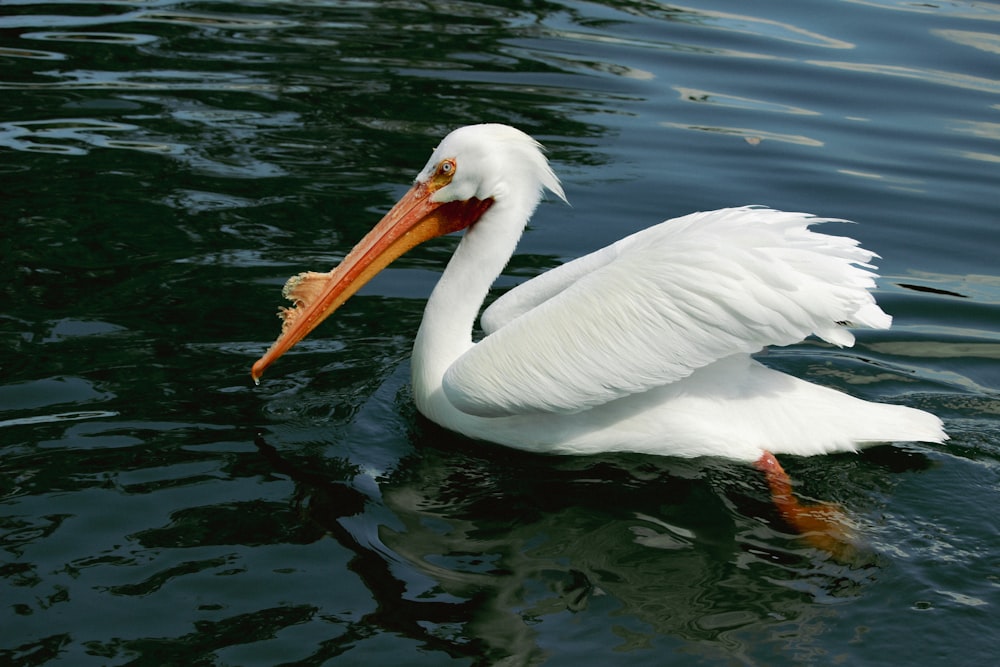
x=167, y=165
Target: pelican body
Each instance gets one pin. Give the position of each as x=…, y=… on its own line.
x=643, y=346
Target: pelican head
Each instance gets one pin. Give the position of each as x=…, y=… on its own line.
x=489, y=162
x=472, y=169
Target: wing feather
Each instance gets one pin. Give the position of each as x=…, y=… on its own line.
x=528, y=295
x=657, y=305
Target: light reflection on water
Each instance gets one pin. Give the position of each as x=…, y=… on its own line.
x=168, y=165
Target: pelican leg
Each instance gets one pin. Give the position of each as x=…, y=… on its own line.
x=822, y=525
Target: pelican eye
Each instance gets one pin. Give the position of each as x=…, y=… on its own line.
x=444, y=173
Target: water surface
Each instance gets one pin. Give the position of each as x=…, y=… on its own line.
x=167, y=165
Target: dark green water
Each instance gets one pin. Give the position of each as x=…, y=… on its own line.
x=166, y=165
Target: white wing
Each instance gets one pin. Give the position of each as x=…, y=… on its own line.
x=526, y=296
x=653, y=307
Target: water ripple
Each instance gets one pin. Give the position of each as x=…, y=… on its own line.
x=214, y=20
x=984, y=41
x=76, y=136
x=769, y=29
x=735, y=102
x=90, y=37
x=202, y=20
x=59, y=417
x=31, y=54
x=48, y=136
x=750, y=135
x=940, y=77
x=980, y=11
x=154, y=80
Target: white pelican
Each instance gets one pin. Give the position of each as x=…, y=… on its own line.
x=642, y=346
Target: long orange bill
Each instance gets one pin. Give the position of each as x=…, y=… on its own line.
x=413, y=220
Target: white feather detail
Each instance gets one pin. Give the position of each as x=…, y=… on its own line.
x=661, y=303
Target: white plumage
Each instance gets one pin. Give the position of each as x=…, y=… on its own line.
x=657, y=305
x=641, y=346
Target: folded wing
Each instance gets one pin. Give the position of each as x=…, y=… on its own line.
x=653, y=307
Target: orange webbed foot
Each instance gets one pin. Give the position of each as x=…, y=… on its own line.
x=822, y=525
